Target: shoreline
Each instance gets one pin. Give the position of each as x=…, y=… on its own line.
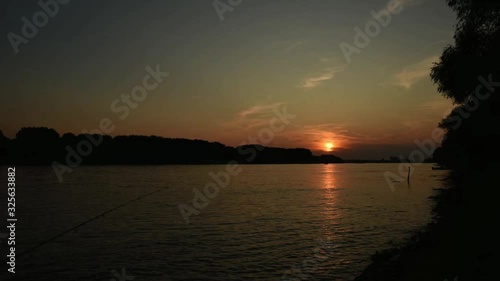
x=461, y=241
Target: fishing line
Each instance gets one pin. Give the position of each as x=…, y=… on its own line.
x=81, y=224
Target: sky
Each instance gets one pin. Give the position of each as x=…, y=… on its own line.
x=231, y=66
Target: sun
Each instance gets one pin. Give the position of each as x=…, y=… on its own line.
x=329, y=146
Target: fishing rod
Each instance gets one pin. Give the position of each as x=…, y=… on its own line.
x=82, y=224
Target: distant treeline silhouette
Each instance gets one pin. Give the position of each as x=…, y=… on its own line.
x=43, y=146
x=468, y=73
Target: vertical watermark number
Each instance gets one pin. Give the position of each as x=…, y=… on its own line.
x=11, y=219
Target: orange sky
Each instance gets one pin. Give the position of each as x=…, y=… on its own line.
x=226, y=77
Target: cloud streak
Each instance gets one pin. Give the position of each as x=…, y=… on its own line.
x=251, y=117
x=440, y=105
x=412, y=74
x=316, y=80
x=293, y=46
x=315, y=136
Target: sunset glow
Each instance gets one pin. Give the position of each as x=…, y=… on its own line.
x=232, y=139
x=329, y=146
x=358, y=105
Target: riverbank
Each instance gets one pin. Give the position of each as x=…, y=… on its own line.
x=461, y=242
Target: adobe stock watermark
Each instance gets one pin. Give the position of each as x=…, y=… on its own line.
x=30, y=28
x=309, y=265
x=121, y=276
x=427, y=146
x=372, y=29
x=222, y=178
x=224, y=6
x=122, y=107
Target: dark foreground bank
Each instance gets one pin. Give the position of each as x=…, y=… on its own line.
x=461, y=243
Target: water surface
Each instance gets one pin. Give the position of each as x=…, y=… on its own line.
x=272, y=222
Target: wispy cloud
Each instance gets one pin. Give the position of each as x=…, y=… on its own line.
x=316, y=80
x=328, y=59
x=441, y=106
x=411, y=74
x=287, y=46
x=315, y=136
x=257, y=109
x=293, y=46
x=433, y=105
x=251, y=117
x=348, y=136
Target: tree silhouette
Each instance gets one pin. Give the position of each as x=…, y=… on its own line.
x=36, y=145
x=468, y=73
x=4, y=144
x=43, y=146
